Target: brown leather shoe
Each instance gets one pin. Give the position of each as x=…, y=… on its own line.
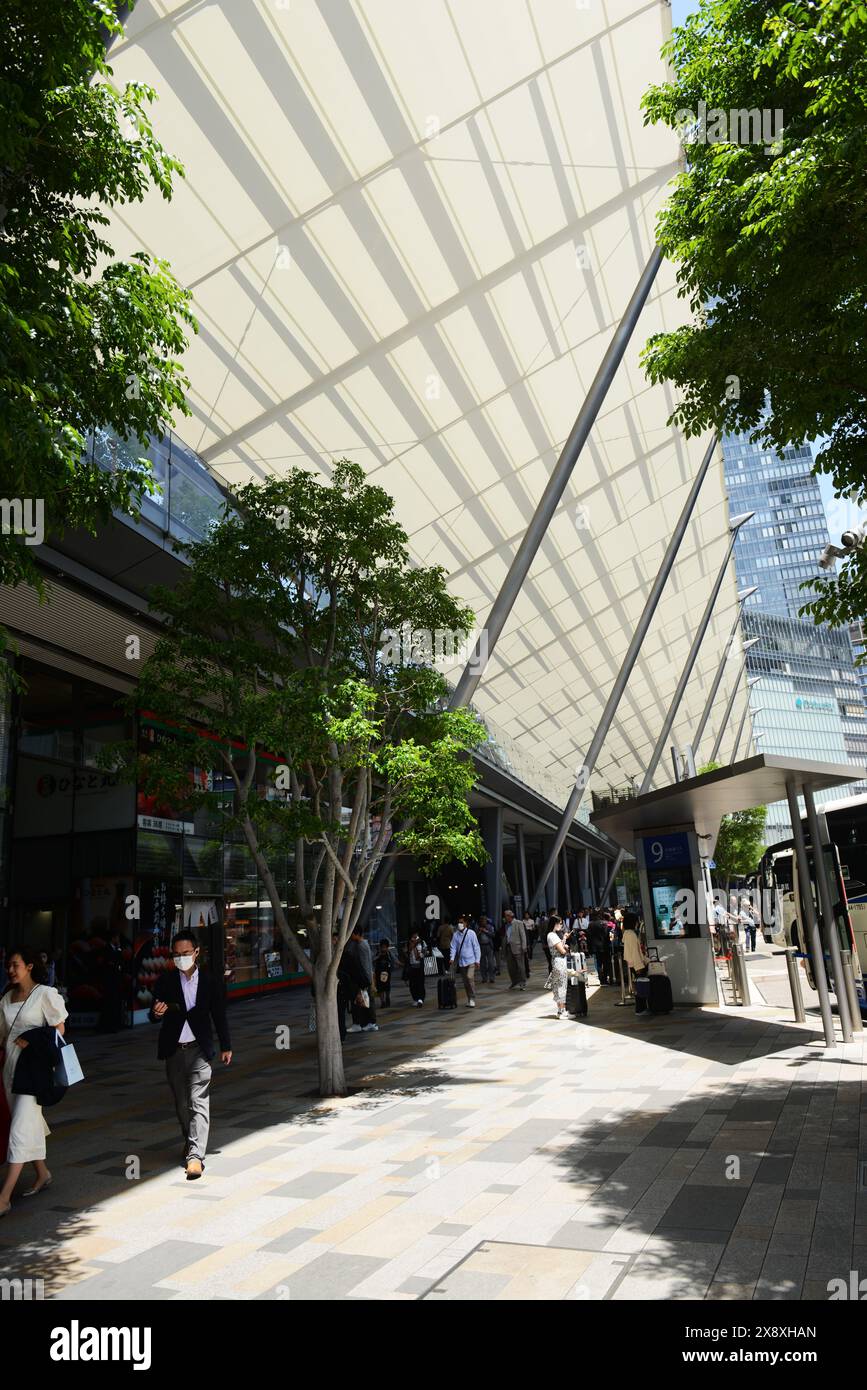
x=194, y=1168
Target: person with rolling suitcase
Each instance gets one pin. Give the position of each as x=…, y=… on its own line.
x=447, y=994
x=576, y=985
x=659, y=997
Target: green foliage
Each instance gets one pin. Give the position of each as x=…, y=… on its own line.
x=273, y=639
x=771, y=247
x=741, y=840
x=86, y=341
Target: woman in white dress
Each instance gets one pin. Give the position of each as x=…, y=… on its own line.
x=28, y=1004
x=558, y=963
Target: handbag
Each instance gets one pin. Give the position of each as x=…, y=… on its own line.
x=655, y=966
x=68, y=1068
x=430, y=964
x=549, y=983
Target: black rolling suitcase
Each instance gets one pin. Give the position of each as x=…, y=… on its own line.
x=447, y=994
x=659, y=999
x=576, y=998
x=576, y=985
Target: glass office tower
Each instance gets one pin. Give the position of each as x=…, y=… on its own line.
x=809, y=701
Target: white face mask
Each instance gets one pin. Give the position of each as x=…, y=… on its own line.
x=184, y=962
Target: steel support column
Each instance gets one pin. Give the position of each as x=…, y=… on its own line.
x=585, y=769
x=539, y=523
x=671, y=715
x=556, y=486
x=808, y=917
x=826, y=903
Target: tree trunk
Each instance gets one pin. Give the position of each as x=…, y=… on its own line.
x=332, y=1081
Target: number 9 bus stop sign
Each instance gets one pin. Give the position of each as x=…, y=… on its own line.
x=666, y=851
x=664, y=828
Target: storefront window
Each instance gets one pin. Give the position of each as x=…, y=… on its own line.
x=203, y=862
x=157, y=855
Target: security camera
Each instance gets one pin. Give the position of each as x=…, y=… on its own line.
x=849, y=541
x=830, y=554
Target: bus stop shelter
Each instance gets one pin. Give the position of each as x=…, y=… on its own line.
x=703, y=801
x=672, y=833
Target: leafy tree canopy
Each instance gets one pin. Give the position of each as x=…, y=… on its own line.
x=274, y=665
x=86, y=340
x=770, y=238
x=741, y=840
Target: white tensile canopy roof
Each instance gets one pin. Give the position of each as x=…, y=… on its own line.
x=410, y=230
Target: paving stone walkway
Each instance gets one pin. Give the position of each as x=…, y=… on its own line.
x=492, y=1154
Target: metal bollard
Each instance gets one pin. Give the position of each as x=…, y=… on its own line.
x=851, y=992
x=743, y=983
x=622, y=970
x=731, y=968
x=794, y=983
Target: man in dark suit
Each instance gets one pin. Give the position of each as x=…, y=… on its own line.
x=186, y=999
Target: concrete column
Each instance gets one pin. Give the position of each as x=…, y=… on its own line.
x=491, y=827
x=595, y=880
x=567, y=880
x=584, y=877
x=522, y=865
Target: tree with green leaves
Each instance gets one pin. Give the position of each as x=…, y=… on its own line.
x=768, y=229
x=87, y=340
x=740, y=843
x=280, y=667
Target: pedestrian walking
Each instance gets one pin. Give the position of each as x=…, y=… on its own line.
x=362, y=1007
x=530, y=933
x=382, y=968
x=413, y=971
x=187, y=1000
x=28, y=1003
x=749, y=921
x=485, y=934
x=465, y=956
x=558, y=953
x=352, y=980
x=515, y=945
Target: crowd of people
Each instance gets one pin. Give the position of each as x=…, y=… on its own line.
x=478, y=951
x=189, y=1005
x=727, y=924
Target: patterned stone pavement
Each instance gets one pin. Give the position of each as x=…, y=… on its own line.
x=496, y=1154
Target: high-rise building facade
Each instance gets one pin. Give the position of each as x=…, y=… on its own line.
x=809, y=701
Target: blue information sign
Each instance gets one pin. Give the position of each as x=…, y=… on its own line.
x=666, y=851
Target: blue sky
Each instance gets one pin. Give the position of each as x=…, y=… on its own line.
x=681, y=8
x=679, y=11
